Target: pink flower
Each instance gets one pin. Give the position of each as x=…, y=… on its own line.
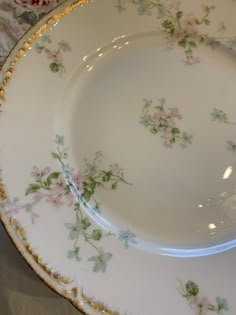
x=54, y=55
x=174, y=112
x=59, y=186
x=199, y=305
x=78, y=180
x=56, y=201
x=207, y=8
x=34, y=217
x=167, y=136
x=190, y=26
x=191, y=61
x=176, y=37
x=35, y=171
x=46, y=170
x=70, y=199
x=157, y=116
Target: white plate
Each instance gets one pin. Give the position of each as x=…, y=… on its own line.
x=118, y=150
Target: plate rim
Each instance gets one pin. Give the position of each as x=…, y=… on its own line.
x=11, y=226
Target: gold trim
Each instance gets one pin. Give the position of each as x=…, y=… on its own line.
x=22, y=235
x=3, y=194
x=28, y=43
x=98, y=306
x=71, y=294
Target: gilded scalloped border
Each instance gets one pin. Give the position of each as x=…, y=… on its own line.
x=22, y=235
x=3, y=194
x=72, y=293
x=28, y=43
x=98, y=306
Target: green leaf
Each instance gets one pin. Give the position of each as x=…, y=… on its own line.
x=97, y=235
x=168, y=26
x=192, y=288
x=55, y=67
x=114, y=186
x=107, y=176
x=202, y=39
x=85, y=223
x=153, y=130
x=56, y=156
x=179, y=14
x=86, y=195
x=32, y=188
x=192, y=44
x=54, y=175
x=182, y=42
x=76, y=206
x=207, y=22
x=175, y=131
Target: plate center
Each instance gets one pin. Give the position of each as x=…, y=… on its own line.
x=159, y=125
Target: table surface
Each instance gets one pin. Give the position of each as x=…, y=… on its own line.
x=21, y=291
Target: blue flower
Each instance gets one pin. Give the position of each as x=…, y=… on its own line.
x=213, y=42
x=120, y=7
x=74, y=230
x=64, y=46
x=143, y=7
x=219, y=115
x=46, y=39
x=39, y=48
x=67, y=170
x=222, y=304
x=231, y=146
x=28, y=207
x=145, y=120
x=127, y=237
x=74, y=254
x=186, y=139
x=59, y=140
x=231, y=43
x=100, y=260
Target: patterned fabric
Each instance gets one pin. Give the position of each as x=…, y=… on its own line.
x=16, y=17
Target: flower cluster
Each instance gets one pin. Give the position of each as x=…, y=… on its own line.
x=201, y=304
x=53, y=188
x=181, y=29
x=161, y=120
x=14, y=206
x=218, y=115
x=54, y=55
x=86, y=183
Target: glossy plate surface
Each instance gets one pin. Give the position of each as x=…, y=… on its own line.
x=119, y=151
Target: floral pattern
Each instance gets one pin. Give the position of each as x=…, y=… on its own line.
x=182, y=29
x=55, y=56
x=220, y=116
x=127, y=237
x=51, y=187
x=161, y=120
x=201, y=304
